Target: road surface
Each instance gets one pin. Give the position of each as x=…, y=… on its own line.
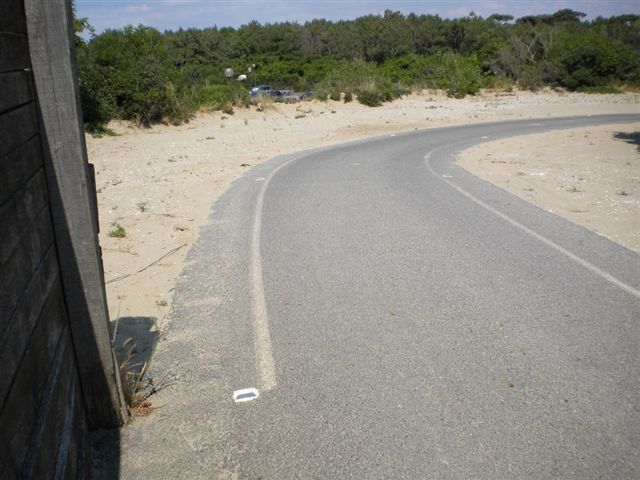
x=400, y=318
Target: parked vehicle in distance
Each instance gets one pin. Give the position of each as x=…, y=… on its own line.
x=285, y=95
x=266, y=90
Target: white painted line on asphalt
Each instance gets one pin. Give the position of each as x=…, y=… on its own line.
x=245, y=395
x=261, y=337
x=580, y=261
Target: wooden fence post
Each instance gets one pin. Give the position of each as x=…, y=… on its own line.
x=52, y=49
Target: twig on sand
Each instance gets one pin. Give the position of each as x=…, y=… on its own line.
x=122, y=277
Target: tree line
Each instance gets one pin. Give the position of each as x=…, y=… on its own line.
x=144, y=75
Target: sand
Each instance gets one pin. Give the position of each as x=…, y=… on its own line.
x=159, y=183
x=590, y=176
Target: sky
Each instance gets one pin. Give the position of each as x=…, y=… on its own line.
x=173, y=14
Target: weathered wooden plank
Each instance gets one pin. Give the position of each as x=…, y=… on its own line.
x=58, y=434
x=18, y=213
x=12, y=19
x=21, y=265
x=78, y=442
x=35, y=381
x=15, y=89
x=23, y=322
x=52, y=417
x=17, y=126
x=84, y=453
x=51, y=42
x=14, y=52
x=19, y=166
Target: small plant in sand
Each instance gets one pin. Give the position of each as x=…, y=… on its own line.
x=142, y=206
x=574, y=189
x=299, y=115
x=335, y=96
x=623, y=193
x=135, y=386
x=117, y=231
x=161, y=303
x=348, y=97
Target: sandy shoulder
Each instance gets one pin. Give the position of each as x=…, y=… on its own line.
x=160, y=183
x=590, y=176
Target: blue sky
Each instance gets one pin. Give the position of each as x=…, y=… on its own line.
x=172, y=14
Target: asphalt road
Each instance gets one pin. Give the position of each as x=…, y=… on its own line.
x=401, y=319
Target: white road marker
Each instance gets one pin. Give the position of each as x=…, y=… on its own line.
x=245, y=395
x=580, y=261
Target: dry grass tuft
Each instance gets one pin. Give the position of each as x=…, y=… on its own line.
x=136, y=385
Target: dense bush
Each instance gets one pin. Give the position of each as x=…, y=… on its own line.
x=370, y=98
x=457, y=74
x=127, y=74
x=140, y=74
x=589, y=61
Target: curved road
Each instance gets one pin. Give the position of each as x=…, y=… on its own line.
x=403, y=319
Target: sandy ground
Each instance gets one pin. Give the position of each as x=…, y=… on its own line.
x=590, y=176
x=159, y=183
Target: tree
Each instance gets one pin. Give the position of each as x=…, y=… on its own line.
x=500, y=18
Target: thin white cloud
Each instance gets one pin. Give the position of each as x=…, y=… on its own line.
x=134, y=9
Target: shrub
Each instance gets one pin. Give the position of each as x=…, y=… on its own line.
x=221, y=97
x=609, y=89
x=99, y=130
x=370, y=98
x=117, y=231
x=128, y=74
x=531, y=77
x=335, y=96
x=459, y=75
x=589, y=60
x=348, y=97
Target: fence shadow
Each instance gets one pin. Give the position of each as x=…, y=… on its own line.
x=633, y=138
x=134, y=341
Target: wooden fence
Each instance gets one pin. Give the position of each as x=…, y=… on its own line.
x=58, y=378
